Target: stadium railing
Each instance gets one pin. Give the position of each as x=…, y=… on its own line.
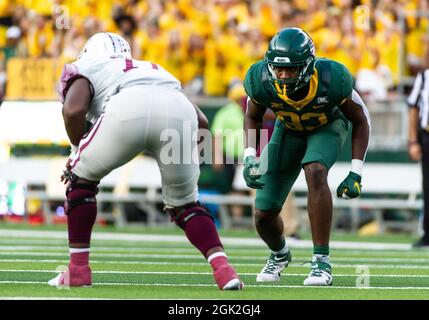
x=385, y=186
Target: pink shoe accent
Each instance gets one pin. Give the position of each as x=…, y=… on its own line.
x=225, y=275
x=76, y=276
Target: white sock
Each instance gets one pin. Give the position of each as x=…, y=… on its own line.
x=321, y=257
x=78, y=250
x=215, y=255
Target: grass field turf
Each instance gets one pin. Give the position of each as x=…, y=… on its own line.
x=175, y=270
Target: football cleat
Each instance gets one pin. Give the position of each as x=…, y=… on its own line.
x=320, y=274
x=274, y=266
x=227, y=279
x=74, y=276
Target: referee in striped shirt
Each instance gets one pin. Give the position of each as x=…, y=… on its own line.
x=418, y=141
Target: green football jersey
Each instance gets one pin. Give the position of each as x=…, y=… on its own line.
x=330, y=85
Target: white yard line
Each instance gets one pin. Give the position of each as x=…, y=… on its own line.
x=259, y=251
x=210, y=273
x=213, y=285
x=97, y=248
x=19, y=245
x=6, y=233
x=199, y=256
x=294, y=265
x=54, y=298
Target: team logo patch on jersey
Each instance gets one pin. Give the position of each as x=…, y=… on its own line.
x=276, y=105
x=322, y=100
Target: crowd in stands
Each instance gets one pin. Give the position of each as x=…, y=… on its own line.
x=209, y=44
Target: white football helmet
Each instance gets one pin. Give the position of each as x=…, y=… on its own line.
x=105, y=45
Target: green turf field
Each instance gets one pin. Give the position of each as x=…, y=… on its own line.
x=128, y=265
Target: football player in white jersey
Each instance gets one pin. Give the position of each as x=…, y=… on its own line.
x=130, y=103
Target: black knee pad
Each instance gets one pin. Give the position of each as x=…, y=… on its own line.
x=79, y=194
x=181, y=215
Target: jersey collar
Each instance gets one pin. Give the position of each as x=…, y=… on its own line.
x=303, y=102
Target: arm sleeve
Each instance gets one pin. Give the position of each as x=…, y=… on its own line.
x=413, y=98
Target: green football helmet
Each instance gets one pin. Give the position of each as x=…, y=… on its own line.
x=291, y=47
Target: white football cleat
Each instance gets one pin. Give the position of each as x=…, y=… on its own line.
x=234, y=284
x=55, y=282
x=320, y=274
x=274, y=266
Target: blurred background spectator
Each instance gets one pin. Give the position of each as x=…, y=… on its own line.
x=227, y=130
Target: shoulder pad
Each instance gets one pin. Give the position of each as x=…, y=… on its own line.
x=335, y=78
x=256, y=83
x=69, y=73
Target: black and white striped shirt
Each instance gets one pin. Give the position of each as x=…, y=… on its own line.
x=419, y=98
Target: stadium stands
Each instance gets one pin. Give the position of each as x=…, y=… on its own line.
x=208, y=44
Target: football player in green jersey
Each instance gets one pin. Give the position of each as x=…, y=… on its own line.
x=315, y=106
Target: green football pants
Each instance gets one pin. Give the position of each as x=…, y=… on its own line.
x=286, y=154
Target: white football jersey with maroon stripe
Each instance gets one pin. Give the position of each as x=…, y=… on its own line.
x=108, y=77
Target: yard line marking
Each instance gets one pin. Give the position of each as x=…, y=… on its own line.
x=295, y=265
x=32, y=241
x=6, y=233
x=55, y=298
x=199, y=256
x=107, y=245
x=261, y=251
x=22, y=282
x=210, y=273
x=96, y=248
x=214, y=285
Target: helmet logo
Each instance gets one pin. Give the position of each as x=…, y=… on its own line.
x=282, y=59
